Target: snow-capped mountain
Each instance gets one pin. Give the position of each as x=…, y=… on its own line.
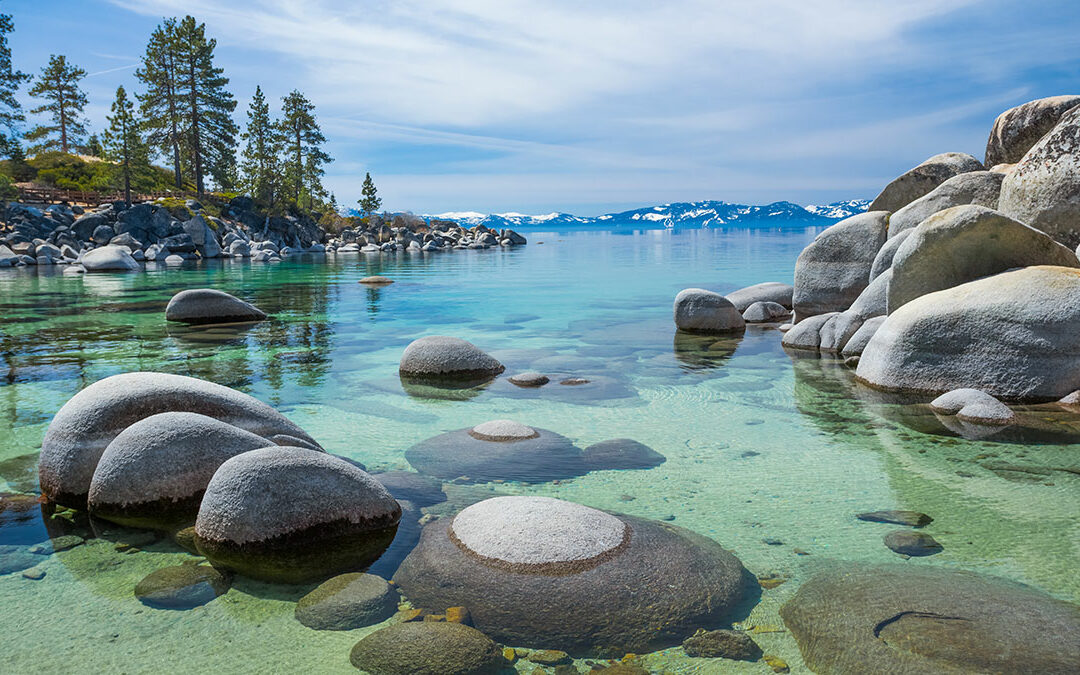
x=681, y=214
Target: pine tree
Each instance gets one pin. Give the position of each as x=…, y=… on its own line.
x=124, y=144
x=210, y=132
x=160, y=105
x=93, y=146
x=304, y=158
x=259, y=168
x=11, y=114
x=59, y=86
x=370, y=202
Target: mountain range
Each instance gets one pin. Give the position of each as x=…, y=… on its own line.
x=710, y=213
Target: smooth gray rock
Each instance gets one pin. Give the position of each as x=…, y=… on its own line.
x=182, y=586
x=153, y=473
x=923, y=178
x=1043, y=190
x=347, y=601
x=763, y=312
x=427, y=648
x=208, y=305
x=529, y=379
x=871, y=303
x=918, y=620
x=174, y=259
x=858, y=341
x=835, y=268
x=769, y=291
x=621, y=453
x=699, y=311
x=807, y=333
x=884, y=258
x=974, y=406
x=109, y=259
x=965, y=243
x=1014, y=335
x=90, y=420
x=976, y=187
x=293, y=515
x=536, y=458
x=912, y=543
x=1017, y=129
x=102, y=234
x=441, y=357
x=240, y=249
x=560, y=582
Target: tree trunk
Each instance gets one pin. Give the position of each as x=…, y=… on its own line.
x=196, y=148
x=299, y=168
x=63, y=117
x=175, y=135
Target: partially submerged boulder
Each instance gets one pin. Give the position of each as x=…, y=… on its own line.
x=427, y=648
x=621, y=453
x=208, y=305
x=182, y=586
x=922, y=179
x=769, y=291
x=347, y=601
x=974, y=406
x=764, y=312
x=1017, y=129
x=109, y=259
x=697, y=310
x=835, y=268
x=443, y=359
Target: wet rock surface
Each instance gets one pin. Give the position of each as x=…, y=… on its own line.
x=182, y=586
x=346, y=602
x=427, y=648
x=726, y=644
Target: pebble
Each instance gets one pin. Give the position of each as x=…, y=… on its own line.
x=549, y=657
x=772, y=541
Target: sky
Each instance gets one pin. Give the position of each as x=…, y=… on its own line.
x=591, y=107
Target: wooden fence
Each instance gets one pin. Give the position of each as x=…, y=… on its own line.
x=47, y=195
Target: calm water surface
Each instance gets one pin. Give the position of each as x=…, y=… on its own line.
x=759, y=445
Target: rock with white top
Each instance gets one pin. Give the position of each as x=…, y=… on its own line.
x=974, y=406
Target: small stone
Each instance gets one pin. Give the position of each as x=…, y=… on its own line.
x=799, y=551
x=773, y=541
x=908, y=542
x=777, y=664
x=728, y=644
x=66, y=541
x=670, y=517
x=34, y=574
x=766, y=628
x=549, y=657
x=566, y=669
x=771, y=582
x=427, y=649
x=435, y=618
x=529, y=379
x=900, y=517
x=458, y=615
x=185, y=539
x=510, y=654
x=376, y=281
x=574, y=381
x=411, y=615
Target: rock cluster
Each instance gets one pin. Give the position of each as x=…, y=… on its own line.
x=413, y=234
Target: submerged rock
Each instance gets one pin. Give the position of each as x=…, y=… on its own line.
x=207, y=305
x=181, y=586
x=900, y=517
x=346, y=602
x=413, y=487
x=904, y=619
x=439, y=358
x=834, y=269
x=699, y=311
x=910, y=542
x=972, y=405
x=621, y=453
x=427, y=648
x=726, y=644
x=376, y=281
x=922, y=179
x=293, y=515
x=553, y=574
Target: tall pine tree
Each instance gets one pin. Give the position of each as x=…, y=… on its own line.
x=11, y=114
x=124, y=144
x=370, y=202
x=207, y=107
x=160, y=104
x=58, y=85
x=303, y=156
x=260, y=167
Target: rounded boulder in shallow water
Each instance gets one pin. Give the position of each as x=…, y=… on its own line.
x=439, y=358
x=376, y=281
x=207, y=305
x=109, y=259
x=346, y=602
x=699, y=311
x=770, y=291
x=972, y=405
x=498, y=450
x=621, y=453
x=182, y=586
x=554, y=574
x=915, y=620
x=153, y=473
x=909, y=542
x=763, y=312
x=427, y=648
x=529, y=379
x=90, y=420
x=293, y=515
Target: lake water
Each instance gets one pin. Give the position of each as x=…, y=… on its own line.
x=761, y=446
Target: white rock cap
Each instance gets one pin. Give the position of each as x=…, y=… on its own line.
x=502, y=430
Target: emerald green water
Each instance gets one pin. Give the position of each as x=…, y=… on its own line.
x=759, y=445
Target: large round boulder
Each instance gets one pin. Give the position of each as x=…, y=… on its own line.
x=1043, y=190
x=154, y=473
x=439, y=359
x=1019, y=128
x=182, y=586
x=552, y=574
x=207, y=305
x=90, y=420
x=498, y=450
x=916, y=620
x=965, y=243
x=427, y=648
x=835, y=268
x=293, y=515
x=1015, y=336
x=699, y=311
x=923, y=178
x=769, y=291
x=976, y=187
x=109, y=259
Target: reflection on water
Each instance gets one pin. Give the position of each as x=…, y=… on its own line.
x=771, y=454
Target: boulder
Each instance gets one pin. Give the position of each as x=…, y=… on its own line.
x=1017, y=129
x=907, y=619
x=102, y=234
x=90, y=420
x=86, y=224
x=240, y=249
x=807, y=333
x=725, y=644
x=440, y=358
x=1043, y=191
x=770, y=291
x=292, y=515
x=922, y=179
x=1015, y=335
x=976, y=187
x=835, y=268
x=621, y=453
x=763, y=312
x=109, y=259
x=174, y=259
x=196, y=228
x=498, y=450
x=376, y=281
x=182, y=586
x=427, y=648
x=529, y=378
x=346, y=602
x=973, y=406
x=912, y=543
x=699, y=311
x=856, y=344
x=154, y=473
x=965, y=243
x=884, y=259
x=554, y=575
x=207, y=305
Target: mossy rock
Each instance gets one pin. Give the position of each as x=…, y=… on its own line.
x=427, y=648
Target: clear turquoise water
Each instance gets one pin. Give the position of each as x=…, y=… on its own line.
x=759, y=445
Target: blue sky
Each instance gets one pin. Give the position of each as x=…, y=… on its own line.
x=589, y=107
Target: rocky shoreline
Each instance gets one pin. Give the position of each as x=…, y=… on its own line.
x=114, y=237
